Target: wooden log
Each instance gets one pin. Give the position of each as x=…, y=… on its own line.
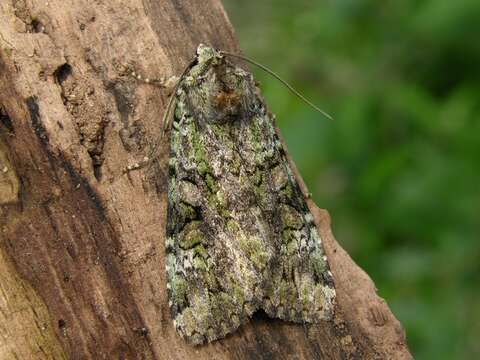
x=82, y=272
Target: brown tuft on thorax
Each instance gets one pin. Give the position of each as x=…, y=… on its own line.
x=228, y=102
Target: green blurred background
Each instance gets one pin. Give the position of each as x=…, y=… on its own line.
x=399, y=167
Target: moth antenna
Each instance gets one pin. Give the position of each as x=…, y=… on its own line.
x=165, y=117
x=276, y=76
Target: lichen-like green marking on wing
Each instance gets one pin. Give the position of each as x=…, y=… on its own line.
x=240, y=236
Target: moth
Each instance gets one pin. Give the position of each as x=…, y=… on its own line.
x=240, y=236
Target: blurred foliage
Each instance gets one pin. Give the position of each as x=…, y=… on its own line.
x=399, y=167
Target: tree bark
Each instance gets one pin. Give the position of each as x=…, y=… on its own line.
x=82, y=272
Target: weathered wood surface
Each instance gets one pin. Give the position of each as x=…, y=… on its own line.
x=82, y=244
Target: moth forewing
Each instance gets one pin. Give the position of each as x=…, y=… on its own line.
x=240, y=236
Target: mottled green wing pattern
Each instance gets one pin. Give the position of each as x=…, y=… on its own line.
x=240, y=236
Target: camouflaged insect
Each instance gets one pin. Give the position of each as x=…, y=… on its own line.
x=240, y=236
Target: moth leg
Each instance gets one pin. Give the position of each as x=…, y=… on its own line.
x=138, y=165
x=147, y=160
x=169, y=83
x=161, y=81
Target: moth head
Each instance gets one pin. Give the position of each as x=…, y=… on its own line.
x=216, y=90
x=207, y=55
x=205, y=59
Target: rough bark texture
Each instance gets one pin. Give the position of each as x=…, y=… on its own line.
x=82, y=273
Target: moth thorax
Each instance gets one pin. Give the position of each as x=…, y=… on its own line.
x=228, y=101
